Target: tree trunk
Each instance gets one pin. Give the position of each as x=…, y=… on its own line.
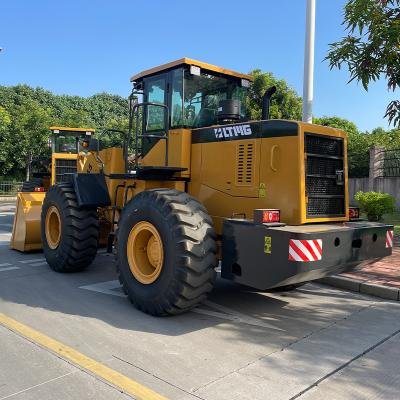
x=28, y=167
x=27, y=172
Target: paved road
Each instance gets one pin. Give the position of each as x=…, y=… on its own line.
x=313, y=343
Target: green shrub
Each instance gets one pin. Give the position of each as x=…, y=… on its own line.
x=375, y=204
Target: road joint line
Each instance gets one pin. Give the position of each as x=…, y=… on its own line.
x=344, y=365
x=89, y=365
x=38, y=385
x=156, y=377
x=286, y=347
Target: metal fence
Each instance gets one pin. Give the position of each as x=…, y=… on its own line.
x=9, y=188
x=387, y=163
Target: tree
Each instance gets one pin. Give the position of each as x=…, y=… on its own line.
x=359, y=143
x=75, y=118
x=5, y=121
x=285, y=103
x=340, y=123
x=30, y=133
x=371, y=49
x=26, y=137
x=26, y=114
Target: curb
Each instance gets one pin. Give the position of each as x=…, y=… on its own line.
x=384, y=292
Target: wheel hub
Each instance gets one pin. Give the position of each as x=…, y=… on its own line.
x=53, y=227
x=145, y=252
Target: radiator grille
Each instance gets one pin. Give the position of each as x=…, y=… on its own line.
x=245, y=164
x=325, y=186
x=323, y=166
x=324, y=145
x=325, y=206
x=64, y=167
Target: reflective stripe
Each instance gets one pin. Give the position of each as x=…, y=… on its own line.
x=293, y=256
x=389, y=239
x=305, y=250
x=301, y=245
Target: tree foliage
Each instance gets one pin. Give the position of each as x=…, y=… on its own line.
x=26, y=114
x=359, y=143
x=357, y=147
x=285, y=103
x=371, y=49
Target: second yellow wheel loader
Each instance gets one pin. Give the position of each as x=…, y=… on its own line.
x=65, y=144
x=196, y=182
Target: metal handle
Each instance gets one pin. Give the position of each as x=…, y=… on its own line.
x=273, y=148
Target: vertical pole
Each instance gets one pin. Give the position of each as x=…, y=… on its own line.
x=308, y=83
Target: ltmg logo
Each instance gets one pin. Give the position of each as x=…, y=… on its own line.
x=232, y=131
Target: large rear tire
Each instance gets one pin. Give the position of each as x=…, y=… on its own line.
x=69, y=233
x=166, y=252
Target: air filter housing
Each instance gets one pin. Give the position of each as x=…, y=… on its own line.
x=228, y=111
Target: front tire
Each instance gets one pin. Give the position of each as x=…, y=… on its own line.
x=166, y=252
x=69, y=233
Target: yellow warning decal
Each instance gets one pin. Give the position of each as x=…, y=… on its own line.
x=267, y=244
x=262, y=192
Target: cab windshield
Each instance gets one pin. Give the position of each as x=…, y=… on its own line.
x=193, y=99
x=196, y=98
x=66, y=144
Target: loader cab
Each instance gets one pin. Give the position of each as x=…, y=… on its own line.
x=195, y=94
x=66, y=143
x=69, y=140
x=171, y=100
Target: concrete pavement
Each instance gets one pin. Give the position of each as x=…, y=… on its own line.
x=315, y=342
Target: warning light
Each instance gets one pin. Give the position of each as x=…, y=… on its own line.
x=354, y=213
x=39, y=189
x=267, y=216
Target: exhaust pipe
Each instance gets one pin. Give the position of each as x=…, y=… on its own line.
x=266, y=101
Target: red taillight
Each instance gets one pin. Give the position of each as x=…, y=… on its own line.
x=354, y=213
x=266, y=216
x=39, y=189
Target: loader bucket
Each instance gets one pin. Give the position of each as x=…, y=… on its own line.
x=26, y=228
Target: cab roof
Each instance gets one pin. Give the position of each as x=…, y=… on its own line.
x=67, y=129
x=190, y=61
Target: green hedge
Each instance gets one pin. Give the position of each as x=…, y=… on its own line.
x=375, y=204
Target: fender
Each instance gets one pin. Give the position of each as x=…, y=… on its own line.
x=91, y=190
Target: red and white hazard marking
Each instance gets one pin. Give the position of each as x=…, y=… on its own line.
x=305, y=250
x=389, y=239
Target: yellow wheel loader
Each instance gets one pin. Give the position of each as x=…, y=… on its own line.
x=65, y=145
x=196, y=182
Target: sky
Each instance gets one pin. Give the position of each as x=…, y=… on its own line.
x=83, y=47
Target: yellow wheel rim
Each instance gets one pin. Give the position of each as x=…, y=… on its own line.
x=145, y=252
x=53, y=227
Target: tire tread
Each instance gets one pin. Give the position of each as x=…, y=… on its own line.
x=195, y=246
x=81, y=227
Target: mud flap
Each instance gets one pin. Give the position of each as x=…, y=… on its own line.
x=26, y=227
